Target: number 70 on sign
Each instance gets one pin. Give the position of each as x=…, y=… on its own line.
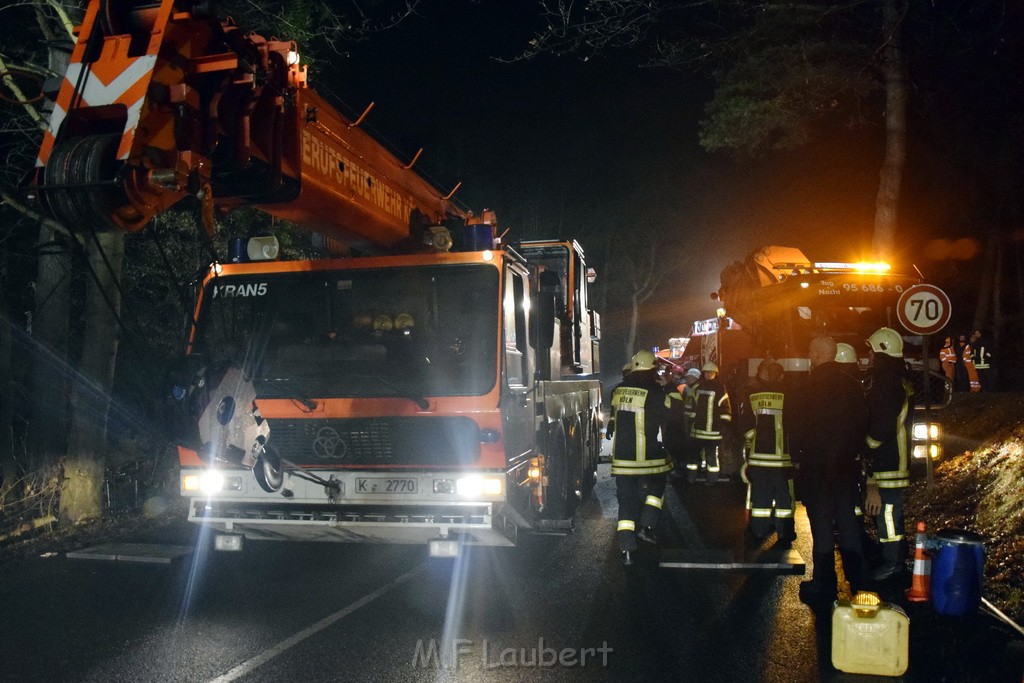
x=923, y=309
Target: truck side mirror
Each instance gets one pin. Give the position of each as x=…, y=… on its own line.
x=543, y=321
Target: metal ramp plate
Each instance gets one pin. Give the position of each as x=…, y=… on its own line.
x=554, y=527
x=788, y=561
x=144, y=553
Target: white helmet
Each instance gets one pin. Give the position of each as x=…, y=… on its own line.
x=888, y=341
x=710, y=367
x=845, y=353
x=643, y=360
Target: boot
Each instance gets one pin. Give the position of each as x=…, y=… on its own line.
x=648, y=535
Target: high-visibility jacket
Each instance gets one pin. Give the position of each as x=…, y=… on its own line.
x=676, y=424
x=972, y=373
x=763, y=422
x=947, y=358
x=711, y=409
x=640, y=410
x=982, y=355
x=890, y=408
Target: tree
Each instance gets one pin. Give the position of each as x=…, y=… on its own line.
x=36, y=39
x=781, y=68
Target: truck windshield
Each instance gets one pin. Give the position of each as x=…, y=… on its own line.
x=410, y=331
x=845, y=306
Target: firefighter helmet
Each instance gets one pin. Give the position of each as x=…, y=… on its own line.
x=710, y=367
x=642, y=360
x=693, y=373
x=845, y=353
x=888, y=341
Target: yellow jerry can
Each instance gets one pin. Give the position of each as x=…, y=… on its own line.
x=870, y=636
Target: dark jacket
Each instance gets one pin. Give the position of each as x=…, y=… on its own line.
x=764, y=420
x=640, y=411
x=829, y=422
x=711, y=409
x=891, y=408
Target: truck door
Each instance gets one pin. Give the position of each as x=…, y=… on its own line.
x=517, y=376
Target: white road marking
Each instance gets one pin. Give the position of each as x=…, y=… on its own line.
x=265, y=656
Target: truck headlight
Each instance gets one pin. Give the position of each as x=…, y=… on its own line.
x=210, y=482
x=475, y=486
x=921, y=431
x=920, y=451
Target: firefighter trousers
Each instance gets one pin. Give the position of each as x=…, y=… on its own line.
x=770, y=494
x=703, y=452
x=640, y=499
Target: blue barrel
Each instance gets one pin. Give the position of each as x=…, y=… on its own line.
x=957, y=572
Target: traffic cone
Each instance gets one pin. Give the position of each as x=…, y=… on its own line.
x=920, y=585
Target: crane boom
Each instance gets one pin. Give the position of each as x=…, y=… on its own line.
x=161, y=101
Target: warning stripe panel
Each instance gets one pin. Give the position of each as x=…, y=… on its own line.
x=127, y=87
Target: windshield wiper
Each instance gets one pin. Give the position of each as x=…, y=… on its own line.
x=281, y=388
x=420, y=401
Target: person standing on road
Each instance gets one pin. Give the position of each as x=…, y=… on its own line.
x=890, y=410
x=973, y=383
x=829, y=420
x=769, y=468
x=711, y=410
x=640, y=410
x=982, y=352
x=686, y=457
x=947, y=358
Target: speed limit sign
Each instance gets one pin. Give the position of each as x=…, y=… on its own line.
x=923, y=309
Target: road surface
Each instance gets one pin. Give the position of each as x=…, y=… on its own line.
x=555, y=609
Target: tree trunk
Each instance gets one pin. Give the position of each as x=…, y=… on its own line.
x=8, y=465
x=634, y=323
x=49, y=388
x=82, y=497
x=988, y=277
x=891, y=175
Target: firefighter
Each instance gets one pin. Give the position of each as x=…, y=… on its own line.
x=829, y=420
x=711, y=410
x=675, y=434
x=688, y=391
x=769, y=469
x=967, y=351
x=640, y=412
x=890, y=411
x=982, y=351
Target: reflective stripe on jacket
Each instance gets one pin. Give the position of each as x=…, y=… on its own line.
x=640, y=412
x=711, y=409
x=890, y=405
x=763, y=418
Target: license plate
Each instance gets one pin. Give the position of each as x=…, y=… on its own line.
x=385, y=485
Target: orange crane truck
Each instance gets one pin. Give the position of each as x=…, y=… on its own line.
x=429, y=384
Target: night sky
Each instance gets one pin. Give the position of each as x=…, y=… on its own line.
x=562, y=147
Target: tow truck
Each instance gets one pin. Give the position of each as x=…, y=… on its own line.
x=775, y=300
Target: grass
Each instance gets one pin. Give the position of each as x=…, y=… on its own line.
x=979, y=487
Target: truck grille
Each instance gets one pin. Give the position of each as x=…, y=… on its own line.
x=436, y=441
x=335, y=514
